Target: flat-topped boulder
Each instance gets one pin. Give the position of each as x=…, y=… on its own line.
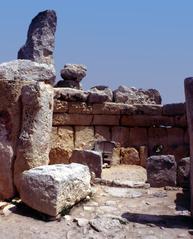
x=53, y=188
x=26, y=70
x=100, y=94
x=69, y=94
x=133, y=95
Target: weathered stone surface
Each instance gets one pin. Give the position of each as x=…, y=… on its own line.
x=161, y=170
x=112, y=108
x=84, y=137
x=80, y=108
x=40, y=43
x=175, y=136
x=106, y=120
x=138, y=136
x=60, y=106
x=180, y=121
x=121, y=135
x=174, y=109
x=34, y=140
x=26, y=70
x=53, y=188
x=116, y=155
x=102, y=133
x=100, y=94
x=130, y=156
x=72, y=119
x=69, y=94
x=136, y=96
x=69, y=84
x=179, y=151
x=150, y=109
x=183, y=173
x=188, y=84
x=90, y=158
x=143, y=154
x=10, y=123
x=62, y=144
x=73, y=72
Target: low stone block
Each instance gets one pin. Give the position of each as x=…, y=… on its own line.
x=70, y=94
x=183, y=173
x=130, y=156
x=53, y=188
x=148, y=109
x=71, y=119
x=60, y=106
x=84, y=137
x=106, y=120
x=80, y=108
x=90, y=158
x=161, y=170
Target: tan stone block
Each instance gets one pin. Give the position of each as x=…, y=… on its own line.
x=138, y=136
x=121, y=135
x=80, y=108
x=130, y=156
x=84, y=137
x=66, y=136
x=143, y=154
x=106, y=120
x=111, y=108
x=175, y=136
x=60, y=106
x=59, y=155
x=116, y=156
x=102, y=133
x=148, y=109
x=71, y=119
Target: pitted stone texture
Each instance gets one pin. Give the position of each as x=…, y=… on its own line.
x=10, y=121
x=84, y=137
x=34, y=140
x=73, y=72
x=136, y=96
x=69, y=94
x=26, y=70
x=100, y=94
x=183, y=175
x=130, y=156
x=53, y=188
x=40, y=43
x=90, y=158
x=161, y=170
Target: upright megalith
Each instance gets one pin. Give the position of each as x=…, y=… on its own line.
x=188, y=84
x=34, y=139
x=40, y=43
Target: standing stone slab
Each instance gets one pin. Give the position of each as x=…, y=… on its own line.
x=53, y=188
x=161, y=171
x=90, y=158
x=40, y=43
x=34, y=140
x=183, y=175
x=188, y=83
x=10, y=120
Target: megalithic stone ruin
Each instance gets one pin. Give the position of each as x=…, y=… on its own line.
x=188, y=84
x=40, y=43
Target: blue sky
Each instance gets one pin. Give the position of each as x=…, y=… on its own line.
x=146, y=44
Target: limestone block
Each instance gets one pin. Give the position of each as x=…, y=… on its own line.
x=138, y=136
x=174, y=109
x=52, y=188
x=71, y=119
x=34, y=140
x=161, y=170
x=84, y=137
x=60, y=106
x=102, y=133
x=79, y=108
x=143, y=154
x=150, y=109
x=70, y=94
x=116, y=156
x=91, y=158
x=121, y=135
x=106, y=120
x=130, y=156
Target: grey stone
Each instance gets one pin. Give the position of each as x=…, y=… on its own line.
x=136, y=96
x=161, y=170
x=183, y=173
x=69, y=94
x=40, y=43
x=53, y=188
x=73, y=72
x=69, y=84
x=90, y=158
x=26, y=70
x=100, y=94
x=34, y=140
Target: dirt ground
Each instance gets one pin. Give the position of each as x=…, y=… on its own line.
x=111, y=212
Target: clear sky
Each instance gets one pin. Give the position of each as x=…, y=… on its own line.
x=141, y=43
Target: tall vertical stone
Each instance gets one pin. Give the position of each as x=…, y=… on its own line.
x=34, y=140
x=188, y=84
x=10, y=120
x=40, y=43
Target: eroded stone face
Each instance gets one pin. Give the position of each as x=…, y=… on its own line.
x=34, y=140
x=40, y=43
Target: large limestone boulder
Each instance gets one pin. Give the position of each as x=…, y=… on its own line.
x=132, y=95
x=161, y=170
x=40, y=43
x=69, y=94
x=26, y=70
x=100, y=94
x=34, y=140
x=53, y=188
x=129, y=156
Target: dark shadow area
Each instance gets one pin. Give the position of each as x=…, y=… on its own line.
x=168, y=221
x=183, y=200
